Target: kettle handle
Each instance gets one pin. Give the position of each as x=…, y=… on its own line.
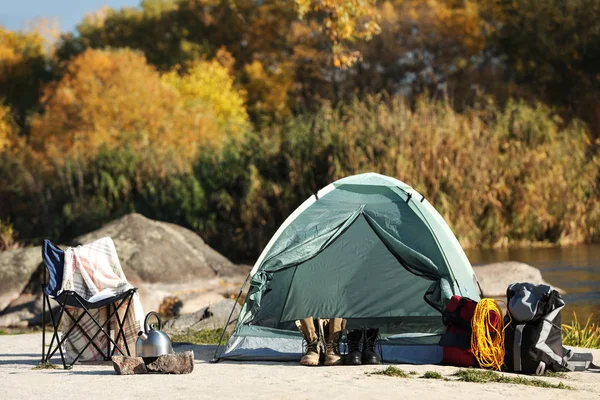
x=146, y=321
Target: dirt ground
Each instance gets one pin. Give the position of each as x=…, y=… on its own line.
x=257, y=380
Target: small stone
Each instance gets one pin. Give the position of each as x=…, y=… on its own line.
x=175, y=363
x=129, y=365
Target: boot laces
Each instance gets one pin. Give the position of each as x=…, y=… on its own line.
x=314, y=346
x=373, y=343
x=353, y=345
x=333, y=345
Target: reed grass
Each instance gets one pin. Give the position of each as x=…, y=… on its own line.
x=499, y=175
x=577, y=335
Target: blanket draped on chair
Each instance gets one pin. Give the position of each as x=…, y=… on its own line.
x=94, y=272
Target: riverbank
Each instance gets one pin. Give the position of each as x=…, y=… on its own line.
x=575, y=269
x=265, y=380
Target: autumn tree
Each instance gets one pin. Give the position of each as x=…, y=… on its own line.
x=285, y=52
x=23, y=70
x=209, y=85
x=8, y=131
x=552, y=50
x=113, y=99
x=343, y=22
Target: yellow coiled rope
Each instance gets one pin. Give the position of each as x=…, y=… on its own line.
x=487, y=340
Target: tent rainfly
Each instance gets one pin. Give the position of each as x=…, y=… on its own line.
x=368, y=248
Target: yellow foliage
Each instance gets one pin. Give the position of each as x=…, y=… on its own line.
x=269, y=90
x=16, y=48
x=113, y=98
x=23, y=64
x=442, y=20
x=342, y=22
x=8, y=132
x=207, y=88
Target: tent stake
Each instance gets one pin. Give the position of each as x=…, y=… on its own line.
x=215, y=358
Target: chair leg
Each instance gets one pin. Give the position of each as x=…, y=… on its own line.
x=76, y=324
x=104, y=328
x=90, y=340
x=84, y=333
x=55, y=326
x=121, y=324
x=101, y=328
x=107, y=358
x=43, y=324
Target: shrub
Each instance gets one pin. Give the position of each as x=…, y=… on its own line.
x=578, y=336
x=499, y=176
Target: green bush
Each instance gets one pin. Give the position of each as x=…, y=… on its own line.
x=581, y=336
x=498, y=175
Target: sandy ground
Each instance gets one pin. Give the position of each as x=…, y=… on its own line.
x=20, y=353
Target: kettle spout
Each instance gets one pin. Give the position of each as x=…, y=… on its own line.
x=142, y=335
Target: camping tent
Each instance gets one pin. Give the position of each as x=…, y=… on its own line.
x=368, y=248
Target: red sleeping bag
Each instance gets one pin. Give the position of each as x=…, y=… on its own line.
x=456, y=341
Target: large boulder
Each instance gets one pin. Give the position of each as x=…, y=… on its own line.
x=495, y=278
x=212, y=317
x=153, y=251
x=195, y=301
x=24, y=311
x=16, y=268
x=159, y=258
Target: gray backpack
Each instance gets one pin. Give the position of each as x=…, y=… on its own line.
x=533, y=340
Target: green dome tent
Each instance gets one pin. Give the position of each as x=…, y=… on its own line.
x=368, y=248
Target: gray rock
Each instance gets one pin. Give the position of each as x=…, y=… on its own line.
x=25, y=311
x=212, y=317
x=124, y=365
x=495, y=278
x=154, y=251
x=16, y=268
x=175, y=363
x=193, y=302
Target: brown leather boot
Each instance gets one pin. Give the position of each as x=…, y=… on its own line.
x=332, y=334
x=310, y=328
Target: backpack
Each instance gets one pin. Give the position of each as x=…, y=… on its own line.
x=533, y=339
x=456, y=341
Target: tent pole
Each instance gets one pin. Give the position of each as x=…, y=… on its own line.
x=215, y=358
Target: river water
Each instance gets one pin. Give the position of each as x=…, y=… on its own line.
x=575, y=269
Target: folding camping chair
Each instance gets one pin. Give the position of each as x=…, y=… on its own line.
x=54, y=259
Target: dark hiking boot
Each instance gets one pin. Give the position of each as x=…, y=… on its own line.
x=354, y=340
x=333, y=329
x=310, y=328
x=369, y=354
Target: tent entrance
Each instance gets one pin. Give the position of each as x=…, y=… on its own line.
x=357, y=278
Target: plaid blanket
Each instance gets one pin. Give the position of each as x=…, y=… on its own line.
x=94, y=271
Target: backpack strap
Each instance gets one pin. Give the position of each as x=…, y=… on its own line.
x=578, y=361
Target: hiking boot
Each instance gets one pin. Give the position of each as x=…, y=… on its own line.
x=333, y=329
x=369, y=354
x=354, y=354
x=310, y=328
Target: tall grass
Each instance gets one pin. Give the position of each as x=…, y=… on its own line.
x=581, y=336
x=499, y=176
x=7, y=237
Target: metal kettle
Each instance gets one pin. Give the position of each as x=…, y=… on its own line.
x=152, y=342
